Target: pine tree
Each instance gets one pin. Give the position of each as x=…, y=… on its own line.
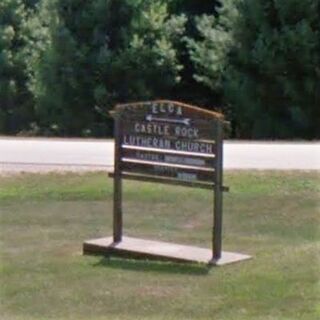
x=209, y=52
x=98, y=53
x=191, y=90
x=60, y=75
x=274, y=77
x=265, y=57
x=16, y=111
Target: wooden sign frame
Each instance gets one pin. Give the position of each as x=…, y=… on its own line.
x=172, y=143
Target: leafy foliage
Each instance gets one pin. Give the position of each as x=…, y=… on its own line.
x=189, y=89
x=265, y=56
x=280, y=45
x=15, y=99
x=210, y=53
x=99, y=53
x=273, y=80
x=65, y=63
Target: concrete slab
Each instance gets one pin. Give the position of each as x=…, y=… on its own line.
x=158, y=250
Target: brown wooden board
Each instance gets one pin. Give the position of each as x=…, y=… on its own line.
x=117, y=182
x=181, y=145
x=166, y=109
x=169, y=156
x=181, y=172
x=170, y=181
x=191, y=130
x=218, y=198
x=158, y=250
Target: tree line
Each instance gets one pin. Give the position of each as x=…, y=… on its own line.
x=65, y=63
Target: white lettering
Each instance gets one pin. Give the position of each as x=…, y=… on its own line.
x=171, y=108
x=186, y=132
x=197, y=147
x=147, y=156
x=152, y=128
x=164, y=108
x=148, y=142
x=163, y=143
x=154, y=108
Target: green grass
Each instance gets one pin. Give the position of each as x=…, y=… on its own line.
x=273, y=216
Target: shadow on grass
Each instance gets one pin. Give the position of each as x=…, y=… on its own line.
x=153, y=266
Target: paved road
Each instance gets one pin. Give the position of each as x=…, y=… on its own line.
x=75, y=154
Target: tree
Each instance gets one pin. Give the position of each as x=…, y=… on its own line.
x=98, y=53
x=189, y=89
x=273, y=81
x=264, y=55
x=59, y=74
x=16, y=110
x=209, y=52
x=146, y=65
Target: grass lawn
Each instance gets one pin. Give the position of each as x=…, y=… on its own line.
x=273, y=216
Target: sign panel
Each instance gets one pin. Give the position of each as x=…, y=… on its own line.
x=168, y=142
x=156, y=142
x=168, y=139
x=192, y=130
x=182, y=172
x=169, y=156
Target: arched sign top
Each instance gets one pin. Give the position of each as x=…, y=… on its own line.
x=165, y=108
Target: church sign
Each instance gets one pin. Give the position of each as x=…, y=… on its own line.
x=172, y=143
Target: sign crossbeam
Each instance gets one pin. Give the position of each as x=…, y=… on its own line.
x=166, y=164
x=183, y=153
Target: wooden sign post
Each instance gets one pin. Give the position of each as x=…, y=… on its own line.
x=172, y=143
